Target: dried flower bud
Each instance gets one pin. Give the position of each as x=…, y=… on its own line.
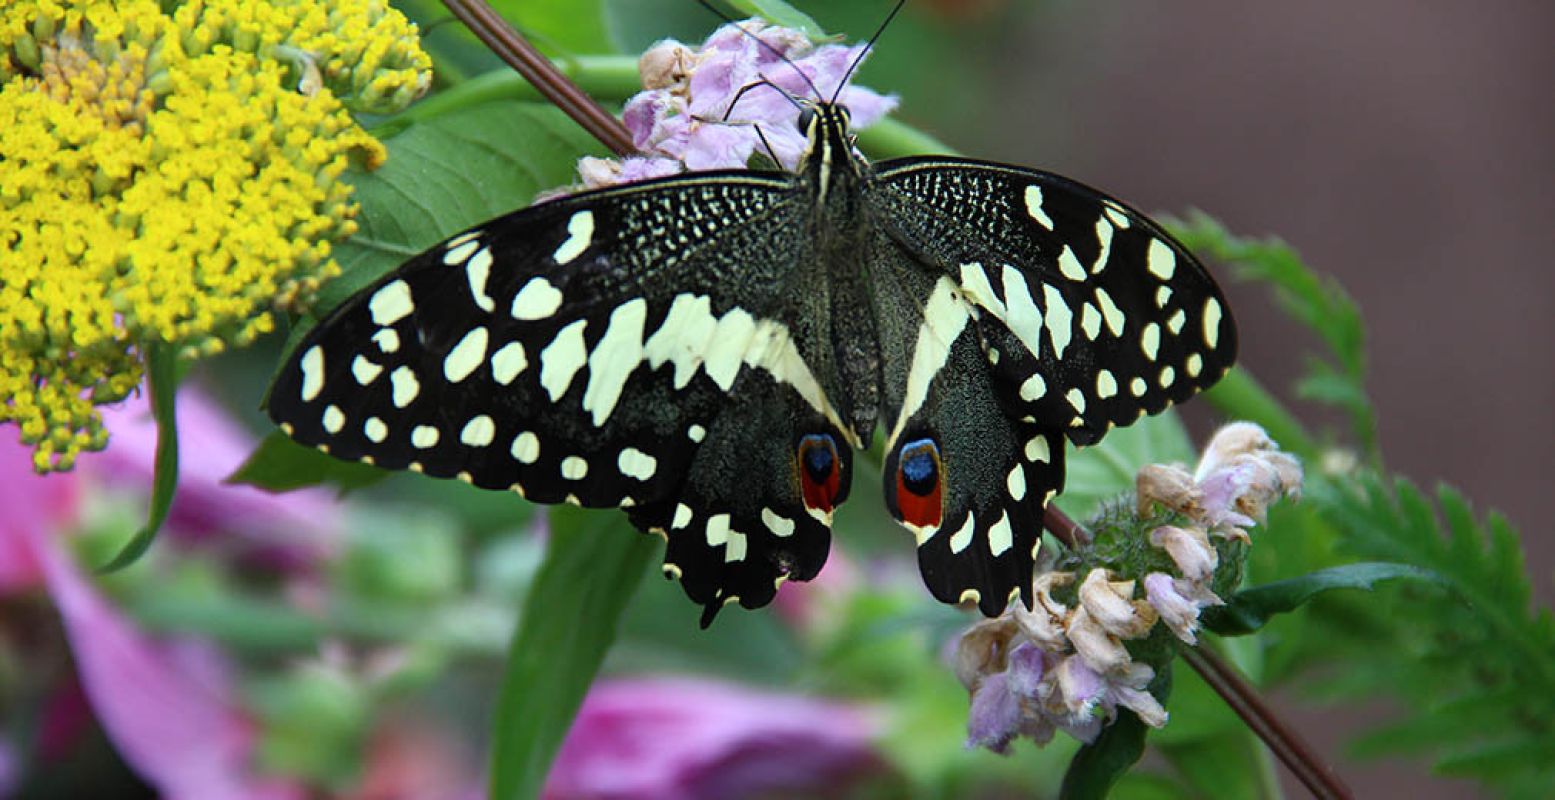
x=1169, y=486
x=1100, y=649
x=1111, y=604
x=983, y=650
x=1047, y=620
x=667, y=65
x=1190, y=550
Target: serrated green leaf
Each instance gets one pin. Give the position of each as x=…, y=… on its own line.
x=1248, y=610
x=1101, y=763
x=279, y=464
x=162, y=385
x=593, y=564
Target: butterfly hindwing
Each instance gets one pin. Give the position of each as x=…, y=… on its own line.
x=1091, y=314
x=629, y=347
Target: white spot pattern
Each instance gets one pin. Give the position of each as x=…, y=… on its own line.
x=312, y=373
x=406, y=387
x=364, y=370
x=1000, y=537
x=778, y=524
x=526, y=448
x=391, y=303
x=562, y=358
x=508, y=362
x=478, y=271
x=334, y=419
x=1034, y=207
x=574, y=468
x=580, y=232
x=375, y=430
x=1016, y=483
x=538, y=299
x=634, y=463
x=944, y=318
x=424, y=437
x=962, y=538
x=1058, y=319
x=1160, y=260
x=615, y=355
x=479, y=431
x=1211, y=322
x=466, y=356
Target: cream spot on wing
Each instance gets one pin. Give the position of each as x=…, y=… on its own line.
x=1038, y=450
x=944, y=319
x=580, y=232
x=507, y=363
x=778, y=524
x=1138, y=387
x=334, y=419
x=477, y=271
x=1034, y=207
x=457, y=253
x=1176, y=322
x=1106, y=384
x=1058, y=319
x=1000, y=537
x=1069, y=265
x=1168, y=376
x=682, y=517
x=735, y=551
x=388, y=340
x=971, y=596
x=976, y=287
x=537, y=300
x=726, y=351
x=1077, y=399
x=1033, y=388
x=479, y=431
x=365, y=371
x=375, y=430
x=1110, y=312
x=312, y=373
x=1212, y=322
x=1016, y=483
x=1160, y=260
x=562, y=358
x=1162, y=295
x=466, y=356
x=1022, y=316
x=696, y=433
x=615, y=355
x=574, y=468
x=634, y=463
x=1150, y=340
x=1090, y=321
x=962, y=538
x=526, y=448
x=391, y=303
x=1104, y=237
x=1118, y=216
x=406, y=387
x=424, y=437
x=1195, y=365
x=717, y=529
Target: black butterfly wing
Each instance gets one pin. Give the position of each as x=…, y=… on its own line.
x=627, y=347
x=1073, y=311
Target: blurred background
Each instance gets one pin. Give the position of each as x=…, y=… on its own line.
x=354, y=649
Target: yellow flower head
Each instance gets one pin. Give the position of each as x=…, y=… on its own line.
x=171, y=177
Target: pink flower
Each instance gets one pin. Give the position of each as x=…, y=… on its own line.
x=684, y=738
x=701, y=108
x=168, y=706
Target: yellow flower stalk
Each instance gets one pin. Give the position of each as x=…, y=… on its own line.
x=171, y=177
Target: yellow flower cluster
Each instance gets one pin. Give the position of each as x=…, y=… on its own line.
x=170, y=177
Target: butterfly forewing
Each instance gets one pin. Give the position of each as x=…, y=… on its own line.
x=631, y=347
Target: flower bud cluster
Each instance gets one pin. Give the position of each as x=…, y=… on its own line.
x=168, y=180
x=1066, y=664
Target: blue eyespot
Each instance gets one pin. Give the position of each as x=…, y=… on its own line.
x=819, y=456
x=920, y=466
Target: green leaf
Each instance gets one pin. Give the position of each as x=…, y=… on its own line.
x=592, y=567
x=636, y=25
x=279, y=464
x=1315, y=300
x=571, y=26
x=451, y=172
x=1249, y=609
x=1101, y=763
x=1107, y=469
x=162, y=384
x=778, y=12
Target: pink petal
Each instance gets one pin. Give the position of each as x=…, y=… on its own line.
x=672, y=738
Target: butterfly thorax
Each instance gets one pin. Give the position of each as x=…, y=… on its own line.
x=834, y=175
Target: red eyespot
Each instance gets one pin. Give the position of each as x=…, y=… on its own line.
x=820, y=480
x=920, y=484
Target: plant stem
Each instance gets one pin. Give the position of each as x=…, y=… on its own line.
x=497, y=34
x=1286, y=745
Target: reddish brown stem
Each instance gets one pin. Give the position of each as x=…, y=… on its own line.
x=497, y=34
x=1287, y=746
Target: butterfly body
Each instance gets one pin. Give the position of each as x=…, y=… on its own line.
x=706, y=351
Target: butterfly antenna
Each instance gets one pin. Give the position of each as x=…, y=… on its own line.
x=869, y=45
x=763, y=43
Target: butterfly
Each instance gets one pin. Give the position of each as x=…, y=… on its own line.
x=707, y=351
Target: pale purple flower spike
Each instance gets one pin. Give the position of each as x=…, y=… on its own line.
x=1063, y=667
x=700, y=108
